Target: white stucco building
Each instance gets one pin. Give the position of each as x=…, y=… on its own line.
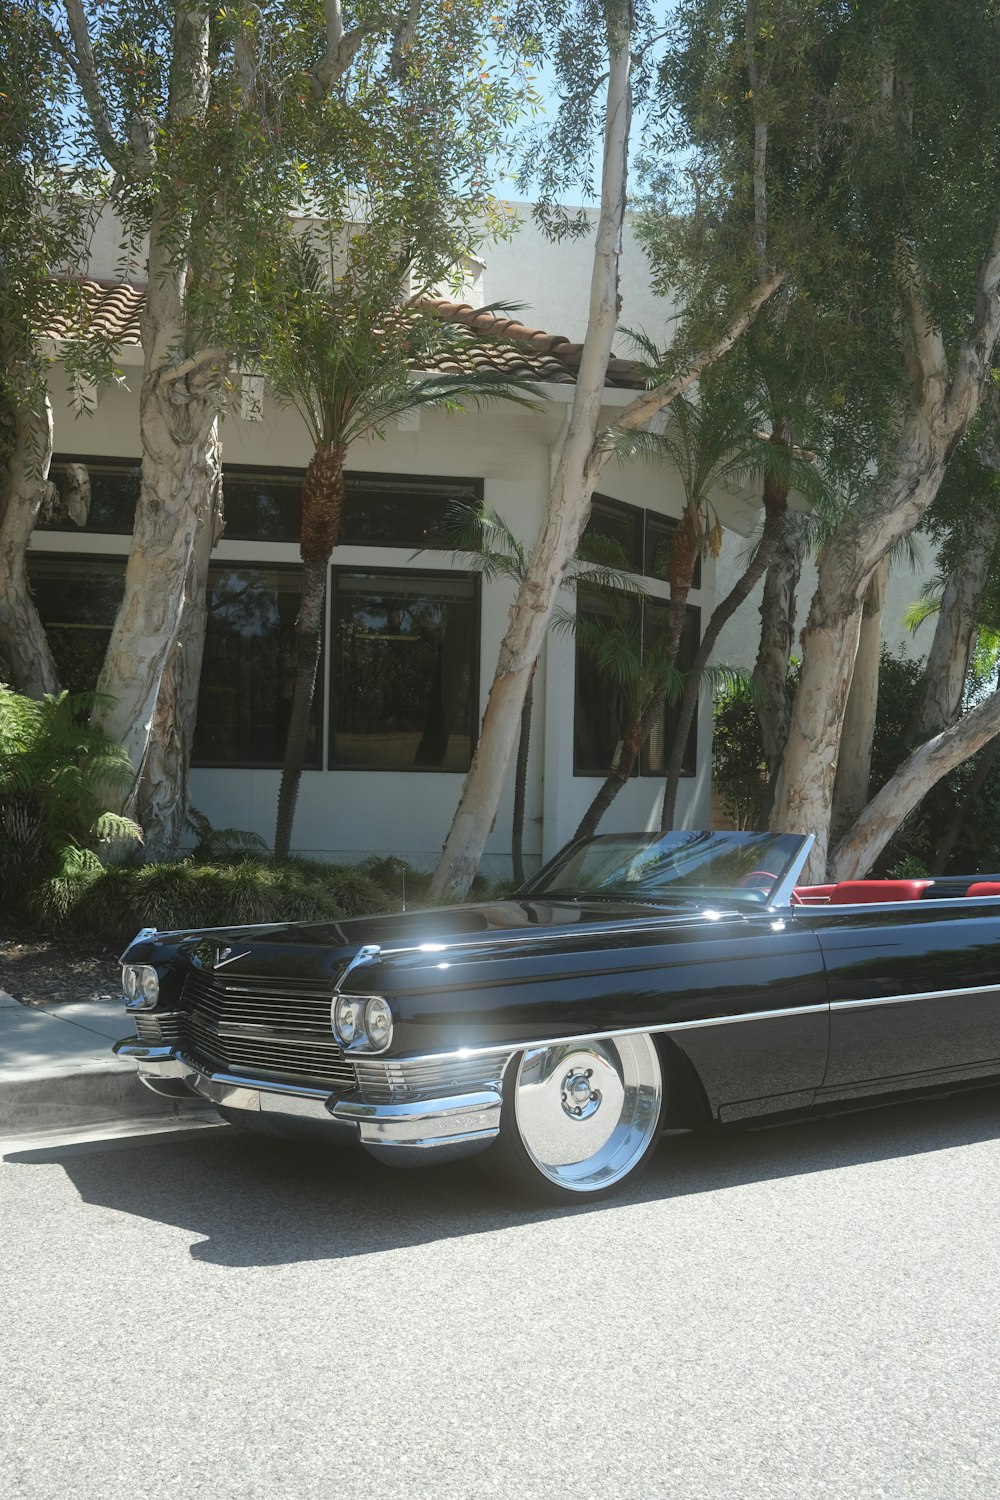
x=412, y=634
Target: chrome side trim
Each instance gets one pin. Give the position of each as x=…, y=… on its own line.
x=782, y=897
x=978, y=989
x=461, y=1053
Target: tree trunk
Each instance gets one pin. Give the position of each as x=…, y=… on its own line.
x=24, y=645
x=777, y=635
x=323, y=495
x=775, y=510
x=180, y=481
x=575, y=479
x=948, y=660
x=163, y=794
x=855, y=763
x=148, y=681
x=520, y=785
x=858, y=850
x=939, y=409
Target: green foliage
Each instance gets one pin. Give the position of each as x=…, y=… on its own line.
x=111, y=905
x=218, y=845
x=739, y=765
x=55, y=773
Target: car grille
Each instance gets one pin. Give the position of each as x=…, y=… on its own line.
x=263, y=1028
x=392, y=1082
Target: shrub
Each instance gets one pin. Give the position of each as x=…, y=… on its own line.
x=55, y=777
x=111, y=905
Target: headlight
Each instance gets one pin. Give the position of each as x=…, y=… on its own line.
x=347, y=1020
x=378, y=1024
x=362, y=1025
x=141, y=984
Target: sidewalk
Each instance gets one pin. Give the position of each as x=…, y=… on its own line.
x=57, y=1070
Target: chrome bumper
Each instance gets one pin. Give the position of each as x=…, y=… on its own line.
x=403, y=1134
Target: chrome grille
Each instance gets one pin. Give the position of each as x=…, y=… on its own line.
x=390, y=1082
x=274, y=1028
x=157, y=1030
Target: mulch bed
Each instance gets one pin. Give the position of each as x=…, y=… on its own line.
x=41, y=971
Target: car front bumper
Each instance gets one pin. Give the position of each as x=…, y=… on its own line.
x=406, y=1133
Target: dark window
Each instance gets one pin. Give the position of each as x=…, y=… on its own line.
x=399, y=511
x=265, y=505
x=641, y=538
x=608, y=626
x=262, y=505
x=624, y=630
x=246, y=680
x=114, y=492
x=249, y=669
x=404, y=682
x=77, y=600
x=612, y=521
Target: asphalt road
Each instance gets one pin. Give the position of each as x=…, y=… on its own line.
x=803, y=1312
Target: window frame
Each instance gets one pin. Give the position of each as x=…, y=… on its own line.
x=359, y=570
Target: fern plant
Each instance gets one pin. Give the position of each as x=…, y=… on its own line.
x=55, y=774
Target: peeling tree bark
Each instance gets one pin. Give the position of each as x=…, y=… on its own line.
x=24, y=645
x=856, y=853
x=948, y=660
x=777, y=635
x=940, y=407
x=854, y=766
x=153, y=654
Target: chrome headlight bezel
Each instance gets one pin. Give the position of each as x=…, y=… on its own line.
x=362, y=1023
x=141, y=986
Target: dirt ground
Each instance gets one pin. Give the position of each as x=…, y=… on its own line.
x=39, y=971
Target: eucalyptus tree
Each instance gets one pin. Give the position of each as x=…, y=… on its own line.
x=220, y=124
x=880, y=124
x=603, y=53
x=486, y=542
x=43, y=233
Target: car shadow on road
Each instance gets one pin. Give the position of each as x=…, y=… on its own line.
x=256, y=1202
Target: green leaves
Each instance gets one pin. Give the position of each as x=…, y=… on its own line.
x=54, y=773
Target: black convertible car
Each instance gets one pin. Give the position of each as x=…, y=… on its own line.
x=639, y=982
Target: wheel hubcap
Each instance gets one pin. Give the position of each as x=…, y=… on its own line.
x=587, y=1111
x=579, y=1099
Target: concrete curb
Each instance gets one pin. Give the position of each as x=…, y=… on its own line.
x=57, y=1071
x=83, y=1098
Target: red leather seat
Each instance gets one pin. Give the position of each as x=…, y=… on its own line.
x=811, y=895
x=984, y=888
x=864, y=892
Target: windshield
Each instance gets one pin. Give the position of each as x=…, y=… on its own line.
x=677, y=866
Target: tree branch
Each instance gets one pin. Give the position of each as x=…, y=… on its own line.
x=905, y=790
x=977, y=348
x=342, y=46
x=645, y=407
x=80, y=58
x=189, y=366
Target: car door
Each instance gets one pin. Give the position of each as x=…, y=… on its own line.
x=914, y=992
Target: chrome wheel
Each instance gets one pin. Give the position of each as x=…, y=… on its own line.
x=587, y=1113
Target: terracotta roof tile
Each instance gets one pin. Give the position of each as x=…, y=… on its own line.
x=493, y=341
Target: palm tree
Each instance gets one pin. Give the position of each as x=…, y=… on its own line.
x=482, y=536
x=343, y=356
